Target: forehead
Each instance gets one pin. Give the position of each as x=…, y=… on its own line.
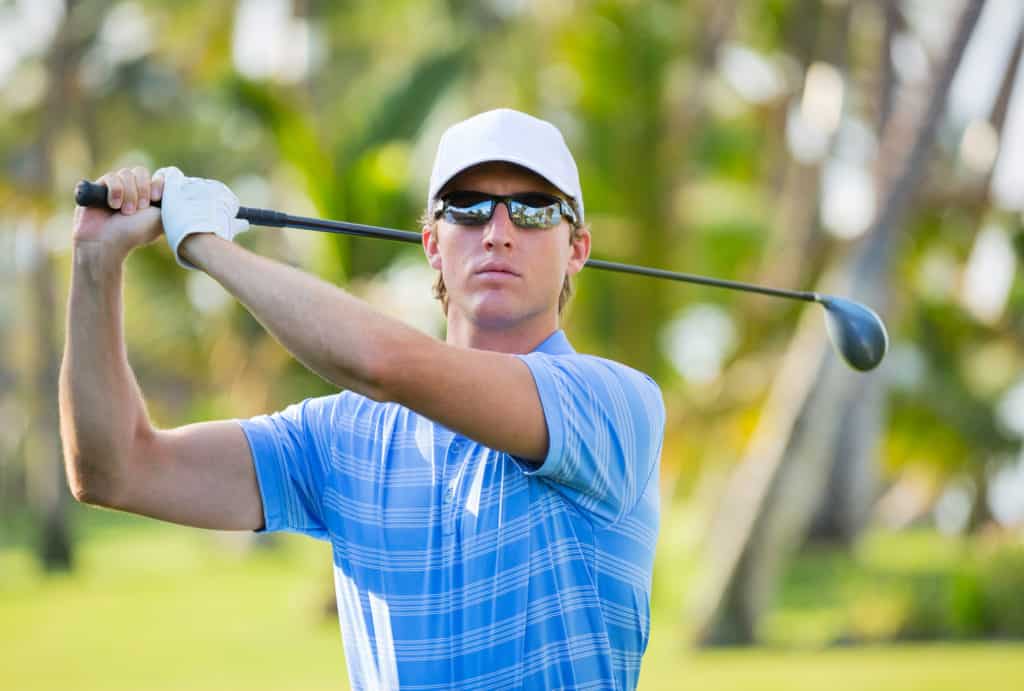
x=499, y=177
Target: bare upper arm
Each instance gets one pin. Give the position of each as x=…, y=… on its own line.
x=488, y=396
x=200, y=475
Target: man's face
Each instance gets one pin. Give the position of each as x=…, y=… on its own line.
x=499, y=275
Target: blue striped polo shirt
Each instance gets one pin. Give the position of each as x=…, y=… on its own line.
x=460, y=567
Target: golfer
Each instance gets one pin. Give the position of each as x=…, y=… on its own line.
x=491, y=500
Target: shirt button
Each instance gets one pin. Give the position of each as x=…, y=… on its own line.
x=449, y=494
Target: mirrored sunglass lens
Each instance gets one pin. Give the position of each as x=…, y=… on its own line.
x=468, y=212
x=528, y=216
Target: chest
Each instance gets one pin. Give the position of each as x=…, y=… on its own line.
x=422, y=487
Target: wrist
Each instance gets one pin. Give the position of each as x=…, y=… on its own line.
x=97, y=260
x=195, y=248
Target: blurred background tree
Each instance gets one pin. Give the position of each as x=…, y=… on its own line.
x=863, y=147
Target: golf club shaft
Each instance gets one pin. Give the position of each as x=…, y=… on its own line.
x=94, y=195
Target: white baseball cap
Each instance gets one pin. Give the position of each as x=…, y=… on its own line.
x=510, y=136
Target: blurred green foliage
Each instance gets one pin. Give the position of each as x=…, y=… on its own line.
x=978, y=598
x=910, y=586
x=680, y=169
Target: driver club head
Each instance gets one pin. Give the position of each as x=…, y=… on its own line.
x=856, y=331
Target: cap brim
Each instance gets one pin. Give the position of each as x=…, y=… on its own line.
x=472, y=163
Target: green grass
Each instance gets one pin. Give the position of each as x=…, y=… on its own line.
x=154, y=606
x=940, y=667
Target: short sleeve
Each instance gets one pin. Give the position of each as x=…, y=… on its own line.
x=605, y=425
x=288, y=451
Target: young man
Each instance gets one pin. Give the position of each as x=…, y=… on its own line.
x=491, y=501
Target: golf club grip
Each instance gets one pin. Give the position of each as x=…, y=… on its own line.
x=94, y=195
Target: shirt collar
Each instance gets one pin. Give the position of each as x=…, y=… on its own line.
x=555, y=344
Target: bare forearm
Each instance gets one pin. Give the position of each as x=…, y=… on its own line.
x=101, y=408
x=331, y=332
x=487, y=396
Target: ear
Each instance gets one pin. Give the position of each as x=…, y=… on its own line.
x=430, y=247
x=579, y=251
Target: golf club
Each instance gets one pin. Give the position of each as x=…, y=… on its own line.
x=855, y=330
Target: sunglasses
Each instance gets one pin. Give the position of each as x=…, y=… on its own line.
x=529, y=210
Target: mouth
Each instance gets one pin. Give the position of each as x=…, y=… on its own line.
x=496, y=271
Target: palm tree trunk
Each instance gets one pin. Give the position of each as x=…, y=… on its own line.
x=778, y=485
x=45, y=465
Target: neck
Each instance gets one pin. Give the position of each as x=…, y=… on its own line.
x=505, y=338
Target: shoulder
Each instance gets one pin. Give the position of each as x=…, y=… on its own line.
x=343, y=420
x=339, y=408
x=616, y=369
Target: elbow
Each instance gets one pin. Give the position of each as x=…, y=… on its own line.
x=376, y=382
x=100, y=472
x=383, y=368
x=89, y=485
x=86, y=494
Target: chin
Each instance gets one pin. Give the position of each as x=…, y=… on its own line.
x=496, y=310
x=497, y=315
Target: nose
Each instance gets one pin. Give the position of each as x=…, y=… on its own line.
x=500, y=229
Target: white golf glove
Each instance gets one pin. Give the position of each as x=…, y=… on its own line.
x=196, y=205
